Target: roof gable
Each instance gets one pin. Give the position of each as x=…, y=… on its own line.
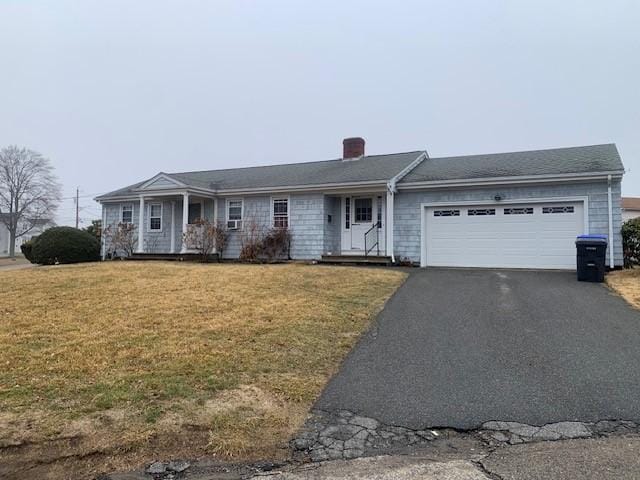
x=161, y=181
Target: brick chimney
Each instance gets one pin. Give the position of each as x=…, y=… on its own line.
x=352, y=147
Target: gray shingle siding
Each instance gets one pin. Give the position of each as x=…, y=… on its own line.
x=332, y=231
x=306, y=213
x=307, y=226
x=407, y=210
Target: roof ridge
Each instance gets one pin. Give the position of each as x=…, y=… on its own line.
x=525, y=151
x=290, y=163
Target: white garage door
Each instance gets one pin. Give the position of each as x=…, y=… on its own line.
x=536, y=235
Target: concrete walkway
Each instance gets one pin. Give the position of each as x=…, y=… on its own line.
x=17, y=266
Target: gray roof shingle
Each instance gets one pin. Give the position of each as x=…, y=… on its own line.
x=556, y=161
x=370, y=168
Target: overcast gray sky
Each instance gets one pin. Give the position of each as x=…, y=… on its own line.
x=113, y=92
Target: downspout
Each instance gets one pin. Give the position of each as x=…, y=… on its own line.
x=391, y=191
x=391, y=188
x=611, y=242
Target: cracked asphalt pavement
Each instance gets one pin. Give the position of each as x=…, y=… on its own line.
x=459, y=348
x=588, y=459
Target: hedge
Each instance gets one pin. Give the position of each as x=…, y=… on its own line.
x=65, y=245
x=631, y=242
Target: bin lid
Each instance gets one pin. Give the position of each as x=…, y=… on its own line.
x=591, y=239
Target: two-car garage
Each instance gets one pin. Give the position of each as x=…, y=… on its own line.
x=503, y=235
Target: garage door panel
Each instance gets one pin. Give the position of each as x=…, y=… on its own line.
x=523, y=238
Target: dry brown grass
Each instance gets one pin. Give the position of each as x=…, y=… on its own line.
x=134, y=361
x=627, y=284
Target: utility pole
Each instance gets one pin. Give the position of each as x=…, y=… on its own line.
x=77, y=207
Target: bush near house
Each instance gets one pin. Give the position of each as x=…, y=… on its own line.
x=260, y=244
x=631, y=242
x=27, y=248
x=65, y=245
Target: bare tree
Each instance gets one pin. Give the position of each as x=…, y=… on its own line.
x=204, y=236
x=122, y=238
x=29, y=191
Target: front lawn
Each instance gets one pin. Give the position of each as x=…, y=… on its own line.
x=627, y=284
x=118, y=363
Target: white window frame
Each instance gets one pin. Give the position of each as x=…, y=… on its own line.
x=227, y=204
x=122, y=212
x=273, y=218
x=155, y=230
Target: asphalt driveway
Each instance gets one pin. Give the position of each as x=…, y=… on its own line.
x=457, y=348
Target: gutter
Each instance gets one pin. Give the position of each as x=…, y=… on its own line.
x=490, y=181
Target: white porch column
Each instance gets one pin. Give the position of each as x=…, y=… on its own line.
x=173, y=227
x=140, y=248
x=389, y=240
x=185, y=219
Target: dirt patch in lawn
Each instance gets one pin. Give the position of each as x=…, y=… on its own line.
x=627, y=284
x=107, y=366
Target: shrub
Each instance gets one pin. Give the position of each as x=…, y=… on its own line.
x=204, y=236
x=250, y=241
x=260, y=244
x=276, y=244
x=631, y=242
x=65, y=245
x=27, y=248
x=120, y=239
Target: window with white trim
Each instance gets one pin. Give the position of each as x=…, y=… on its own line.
x=126, y=214
x=567, y=209
x=155, y=216
x=281, y=212
x=363, y=208
x=379, y=219
x=519, y=211
x=446, y=213
x=347, y=213
x=234, y=213
x=475, y=212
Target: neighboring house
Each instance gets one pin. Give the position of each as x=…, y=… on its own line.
x=520, y=210
x=5, y=240
x=630, y=208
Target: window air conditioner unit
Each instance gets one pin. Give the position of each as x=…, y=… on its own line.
x=233, y=224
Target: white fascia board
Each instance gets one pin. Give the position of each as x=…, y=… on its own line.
x=337, y=187
x=151, y=194
x=510, y=180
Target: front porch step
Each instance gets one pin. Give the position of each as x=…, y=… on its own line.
x=178, y=257
x=356, y=259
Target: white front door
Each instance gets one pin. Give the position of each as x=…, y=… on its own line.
x=534, y=235
x=363, y=220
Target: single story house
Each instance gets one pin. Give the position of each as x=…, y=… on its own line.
x=5, y=239
x=630, y=208
x=510, y=210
